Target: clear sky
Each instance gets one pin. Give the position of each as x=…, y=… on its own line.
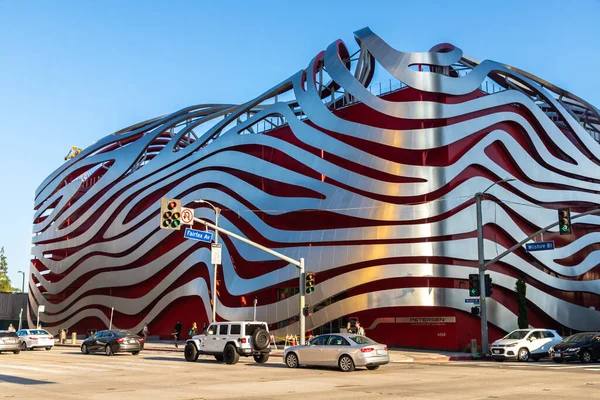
x=72, y=72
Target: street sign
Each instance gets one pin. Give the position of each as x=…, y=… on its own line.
x=215, y=253
x=187, y=216
x=41, y=308
x=201, y=236
x=475, y=301
x=539, y=246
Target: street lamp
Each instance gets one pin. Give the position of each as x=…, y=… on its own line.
x=214, y=293
x=23, y=285
x=22, y=291
x=482, y=304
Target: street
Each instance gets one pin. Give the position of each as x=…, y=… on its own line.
x=64, y=373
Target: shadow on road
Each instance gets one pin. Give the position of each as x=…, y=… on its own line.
x=22, y=381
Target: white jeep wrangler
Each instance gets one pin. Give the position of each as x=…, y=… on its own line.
x=227, y=341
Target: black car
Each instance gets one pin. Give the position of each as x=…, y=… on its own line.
x=584, y=347
x=114, y=341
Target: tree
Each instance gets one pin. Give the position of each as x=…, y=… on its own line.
x=521, y=291
x=5, y=285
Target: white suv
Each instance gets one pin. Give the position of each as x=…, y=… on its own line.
x=524, y=344
x=227, y=341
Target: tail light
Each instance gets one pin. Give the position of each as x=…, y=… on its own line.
x=33, y=338
x=366, y=349
x=140, y=339
x=242, y=340
x=51, y=337
x=121, y=340
x=385, y=348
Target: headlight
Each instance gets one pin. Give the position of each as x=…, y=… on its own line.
x=511, y=345
x=551, y=349
x=575, y=349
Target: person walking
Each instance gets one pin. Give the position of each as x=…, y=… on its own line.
x=177, y=332
x=349, y=328
x=145, y=333
x=359, y=329
x=194, y=331
x=11, y=328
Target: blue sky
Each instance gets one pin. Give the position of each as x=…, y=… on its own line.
x=72, y=72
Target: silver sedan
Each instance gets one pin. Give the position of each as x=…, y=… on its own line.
x=343, y=350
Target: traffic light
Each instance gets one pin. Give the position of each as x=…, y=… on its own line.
x=310, y=282
x=564, y=221
x=474, y=285
x=488, y=286
x=475, y=311
x=170, y=214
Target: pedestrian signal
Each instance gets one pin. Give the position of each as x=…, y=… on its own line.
x=488, y=286
x=564, y=221
x=310, y=283
x=170, y=214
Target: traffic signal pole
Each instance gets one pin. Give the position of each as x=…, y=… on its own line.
x=481, y=265
x=297, y=263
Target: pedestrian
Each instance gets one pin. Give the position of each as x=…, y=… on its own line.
x=349, y=328
x=145, y=332
x=177, y=332
x=204, y=327
x=359, y=329
x=11, y=328
x=194, y=331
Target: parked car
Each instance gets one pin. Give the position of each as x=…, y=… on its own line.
x=113, y=341
x=525, y=344
x=584, y=347
x=343, y=350
x=227, y=341
x=35, y=338
x=9, y=341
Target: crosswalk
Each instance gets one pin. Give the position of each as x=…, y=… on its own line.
x=548, y=365
x=27, y=366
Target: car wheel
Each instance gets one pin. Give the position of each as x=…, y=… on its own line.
x=48, y=348
x=523, y=355
x=346, y=364
x=260, y=339
x=190, y=352
x=585, y=357
x=84, y=349
x=557, y=360
x=219, y=357
x=108, y=350
x=372, y=367
x=23, y=346
x=291, y=360
x=16, y=351
x=261, y=358
x=135, y=353
x=230, y=355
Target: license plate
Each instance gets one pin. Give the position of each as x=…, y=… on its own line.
x=557, y=354
x=381, y=352
x=496, y=351
x=132, y=341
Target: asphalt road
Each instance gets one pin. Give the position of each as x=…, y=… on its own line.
x=64, y=373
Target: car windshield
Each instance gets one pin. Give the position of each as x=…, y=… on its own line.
x=38, y=332
x=124, y=333
x=362, y=340
x=7, y=334
x=518, y=335
x=580, y=338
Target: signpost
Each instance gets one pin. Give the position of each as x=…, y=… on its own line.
x=215, y=253
x=536, y=246
x=200, y=236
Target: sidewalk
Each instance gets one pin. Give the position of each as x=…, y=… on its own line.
x=396, y=355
